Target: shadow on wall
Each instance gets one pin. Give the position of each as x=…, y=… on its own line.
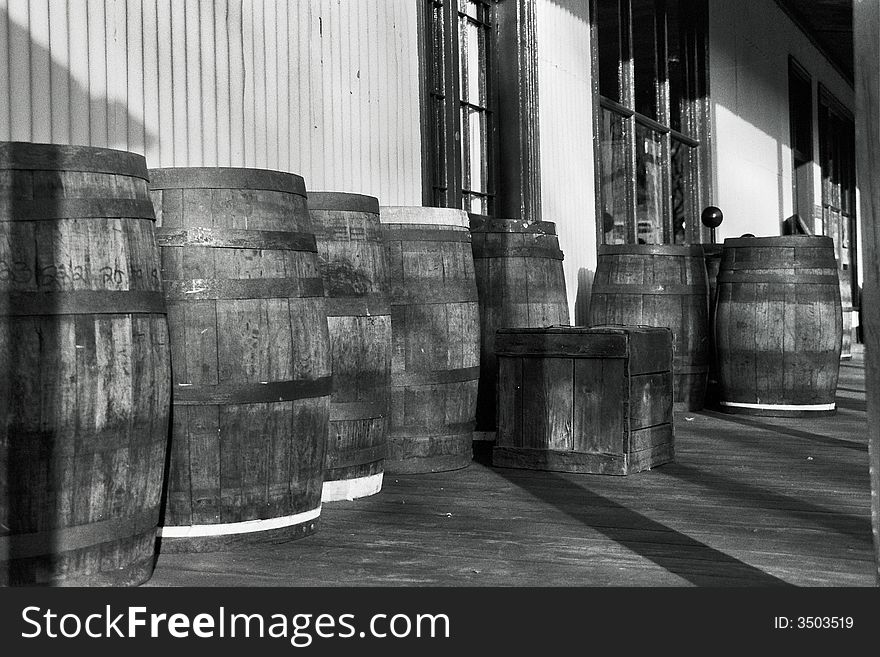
x=62, y=361
x=584, y=294
x=65, y=111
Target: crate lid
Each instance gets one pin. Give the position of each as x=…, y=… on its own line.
x=649, y=348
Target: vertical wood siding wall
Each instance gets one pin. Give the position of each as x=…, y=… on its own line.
x=327, y=89
x=566, y=124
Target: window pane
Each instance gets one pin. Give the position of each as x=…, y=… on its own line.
x=608, y=22
x=470, y=8
x=800, y=99
x=474, y=166
x=676, y=65
x=615, y=178
x=472, y=56
x=649, y=186
x=644, y=46
x=475, y=152
x=683, y=177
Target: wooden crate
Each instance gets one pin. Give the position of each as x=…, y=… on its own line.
x=592, y=400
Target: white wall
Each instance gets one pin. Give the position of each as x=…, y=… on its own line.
x=749, y=46
x=566, y=125
x=327, y=89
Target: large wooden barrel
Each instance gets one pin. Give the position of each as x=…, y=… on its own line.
x=84, y=355
x=778, y=326
x=846, y=309
x=520, y=283
x=352, y=260
x=250, y=356
x=664, y=286
x=435, y=326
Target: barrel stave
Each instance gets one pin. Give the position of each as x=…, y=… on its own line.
x=84, y=341
x=355, y=276
x=250, y=353
x=520, y=283
x=664, y=286
x=778, y=326
x=435, y=339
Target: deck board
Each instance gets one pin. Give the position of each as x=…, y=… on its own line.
x=749, y=501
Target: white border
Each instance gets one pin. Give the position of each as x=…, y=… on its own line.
x=351, y=489
x=783, y=407
x=245, y=527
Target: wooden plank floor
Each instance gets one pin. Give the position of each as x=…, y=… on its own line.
x=749, y=502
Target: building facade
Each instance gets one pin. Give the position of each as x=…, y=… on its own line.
x=618, y=120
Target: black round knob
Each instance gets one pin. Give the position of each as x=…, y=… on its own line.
x=712, y=217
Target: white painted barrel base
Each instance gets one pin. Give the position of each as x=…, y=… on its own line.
x=351, y=489
x=778, y=410
x=213, y=537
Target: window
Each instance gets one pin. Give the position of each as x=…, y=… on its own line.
x=800, y=102
x=460, y=132
x=651, y=154
x=837, y=160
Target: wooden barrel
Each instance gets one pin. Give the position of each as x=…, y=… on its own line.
x=663, y=286
x=352, y=260
x=84, y=352
x=520, y=284
x=435, y=327
x=712, y=253
x=250, y=356
x=846, y=309
x=778, y=326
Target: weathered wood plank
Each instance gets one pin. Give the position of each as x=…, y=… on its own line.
x=85, y=399
x=578, y=395
x=355, y=275
x=239, y=455
x=436, y=337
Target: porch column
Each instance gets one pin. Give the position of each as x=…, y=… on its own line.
x=866, y=35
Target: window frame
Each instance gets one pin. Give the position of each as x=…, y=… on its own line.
x=695, y=115
x=828, y=106
x=444, y=142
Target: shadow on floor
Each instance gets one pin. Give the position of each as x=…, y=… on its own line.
x=673, y=551
x=786, y=431
x=758, y=497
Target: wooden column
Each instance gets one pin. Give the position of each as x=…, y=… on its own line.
x=519, y=147
x=866, y=35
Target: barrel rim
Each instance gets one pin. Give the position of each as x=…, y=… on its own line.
x=31, y=156
x=599, y=329
x=695, y=250
x=267, y=180
x=784, y=241
x=343, y=202
x=480, y=223
x=417, y=214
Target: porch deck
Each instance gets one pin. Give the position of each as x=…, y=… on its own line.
x=748, y=502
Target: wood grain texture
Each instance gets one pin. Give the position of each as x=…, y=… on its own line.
x=239, y=454
x=778, y=326
x=569, y=400
x=85, y=396
x=741, y=507
x=657, y=285
x=520, y=283
x=866, y=39
x=435, y=327
x=351, y=256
